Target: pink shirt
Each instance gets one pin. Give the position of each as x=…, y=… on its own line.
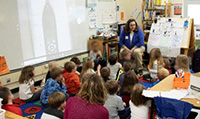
x=77, y=108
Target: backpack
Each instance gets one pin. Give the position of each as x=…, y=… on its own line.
x=196, y=61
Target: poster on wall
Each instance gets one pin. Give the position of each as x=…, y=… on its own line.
x=91, y=3
x=92, y=18
x=178, y=9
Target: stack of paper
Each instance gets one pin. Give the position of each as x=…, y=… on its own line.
x=174, y=94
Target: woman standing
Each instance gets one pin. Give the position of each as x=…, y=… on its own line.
x=132, y=39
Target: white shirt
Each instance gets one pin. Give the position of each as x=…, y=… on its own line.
x=139, y=112
x=131, y=36
x=94, y=55
x=25, y=90
x=48, y=116
x=114, y=69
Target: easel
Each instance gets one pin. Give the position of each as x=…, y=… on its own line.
x=191, y=40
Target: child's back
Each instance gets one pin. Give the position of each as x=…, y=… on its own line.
x=139, y=112
x=114, y=66
x=139, y=104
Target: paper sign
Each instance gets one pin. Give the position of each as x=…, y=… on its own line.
x=122, y=15
x=178, y=9
x=3, y=66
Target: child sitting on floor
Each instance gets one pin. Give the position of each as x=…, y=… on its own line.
x=27, y=91
x=77, y=62
x=57, y=102
x=130, y=79
x=114, y=66
x=8, y=105
x=139, y=104
x=51, y=65
x=155, y=63
x=114, y=103
x=88, y=66
x=126, y=67
x=162, y=73
x=95, y=53
x=182, y=63
x=125, y=56
x=105, y=73
x=72, y=81
x=52, y=85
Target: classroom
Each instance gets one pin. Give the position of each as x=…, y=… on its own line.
x=99, y=59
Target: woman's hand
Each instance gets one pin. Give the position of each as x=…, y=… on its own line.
x=132, y=50
x=127, y=48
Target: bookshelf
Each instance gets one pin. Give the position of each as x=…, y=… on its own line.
x=152, y=9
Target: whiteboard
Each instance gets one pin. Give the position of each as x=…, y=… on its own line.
x=36, y=31
x=169, y=36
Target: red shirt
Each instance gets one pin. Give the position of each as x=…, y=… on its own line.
x=72, y=82
x=12, y=108
x=77, y=108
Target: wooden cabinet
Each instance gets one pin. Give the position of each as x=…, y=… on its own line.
x=105, y=46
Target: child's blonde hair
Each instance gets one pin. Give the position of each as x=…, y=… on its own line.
x=155, y=54
x=52, y=65
x=87, y=64
x=136, y=95
x=183, y=62
x=162, y=73
x=26, y=74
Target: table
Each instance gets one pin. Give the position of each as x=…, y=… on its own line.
x=167, y=85
x=10, y=115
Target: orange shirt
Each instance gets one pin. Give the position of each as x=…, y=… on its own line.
x=12, y=108
x=72, y=82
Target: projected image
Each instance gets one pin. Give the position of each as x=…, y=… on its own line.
x=44, y=24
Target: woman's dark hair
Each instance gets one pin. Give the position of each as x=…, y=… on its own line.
x=127, y=29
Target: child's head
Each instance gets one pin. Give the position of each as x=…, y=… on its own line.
x=105, y=72
x=70, y=66
x=182, y=63
x=130, y=79
x=57, y=100
x=76, y=61
x=56, y=74
x=93, y=90
x=155, y=54
x=127, y=66
x=136, y=95
x=87, y=64
x=5, y=94
x=86, y=76
x=126, y=55
x=52, y=65
x=162, y=73
x=27, y=74
x=112, y=59
x=112, y=86
x=95, y=46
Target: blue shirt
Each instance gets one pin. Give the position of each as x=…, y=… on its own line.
x=50, y=87
x=137, y=40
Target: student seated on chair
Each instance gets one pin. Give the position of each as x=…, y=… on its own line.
x=72, y=81
x=8, y=105
x=95, y=53
x=57, y=102
x=53, y=85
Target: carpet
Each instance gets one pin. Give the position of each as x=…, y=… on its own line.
x=32, y=110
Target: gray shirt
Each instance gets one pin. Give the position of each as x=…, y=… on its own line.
x=114, y=104
x=93, y=55
x=114, y=69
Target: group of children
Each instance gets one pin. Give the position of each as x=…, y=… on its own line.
x=124, y=92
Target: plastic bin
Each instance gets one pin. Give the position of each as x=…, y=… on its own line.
x=182, y=82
